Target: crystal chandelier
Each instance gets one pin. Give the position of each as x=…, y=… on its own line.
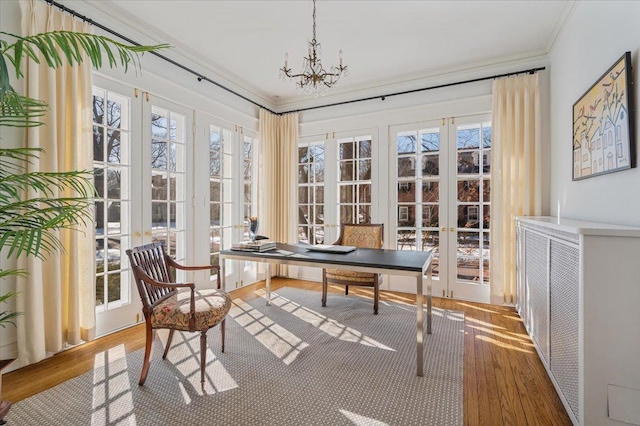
x=314, y=79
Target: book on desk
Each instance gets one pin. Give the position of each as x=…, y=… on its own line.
x=254, y=246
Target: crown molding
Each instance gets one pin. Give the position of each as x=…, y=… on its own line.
x=561, y=23
x=138, y=30
x=416, y=81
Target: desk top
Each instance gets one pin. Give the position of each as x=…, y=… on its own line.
x=401, y=260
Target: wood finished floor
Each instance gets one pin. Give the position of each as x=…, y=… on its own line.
x=505, y=382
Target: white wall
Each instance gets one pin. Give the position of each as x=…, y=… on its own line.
x=594, y=37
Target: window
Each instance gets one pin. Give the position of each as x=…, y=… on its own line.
x=354, y=179
x=311, y=218
x=111, y=167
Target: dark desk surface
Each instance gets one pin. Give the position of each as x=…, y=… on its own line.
x=401, y=260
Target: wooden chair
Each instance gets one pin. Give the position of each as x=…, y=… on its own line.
x=164, y=306
x=363, y=236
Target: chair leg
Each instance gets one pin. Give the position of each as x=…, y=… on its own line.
x=222, y=332
x=203, y=354
x=376, y=295
x=346, y=290
x=324, y=289
x=147, y=353
x=166, y=349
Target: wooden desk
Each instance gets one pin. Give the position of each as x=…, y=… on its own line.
x=393, y=262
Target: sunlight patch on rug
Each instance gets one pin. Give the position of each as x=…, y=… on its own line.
x=331, y=327
x=184, y=355
x=359, y=420
x=112, y=399
x=281, y=342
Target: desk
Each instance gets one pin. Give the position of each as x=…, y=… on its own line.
x=393, y=262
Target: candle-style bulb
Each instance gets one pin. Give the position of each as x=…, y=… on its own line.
x=340, y=55
x=286, y=59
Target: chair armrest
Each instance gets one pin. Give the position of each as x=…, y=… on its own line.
x=192, y=300
x=176, y=265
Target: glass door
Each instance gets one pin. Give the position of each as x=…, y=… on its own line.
x=115, y=150
x=442, y=194
x=470, y=208
x=419, y=170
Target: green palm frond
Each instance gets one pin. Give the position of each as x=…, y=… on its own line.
x=26, y=222
x=20, y=111
x=58, y=47
x=6, y=316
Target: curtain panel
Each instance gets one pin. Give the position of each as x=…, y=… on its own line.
x=515, y=174
x=279, y=182
x=57, y=298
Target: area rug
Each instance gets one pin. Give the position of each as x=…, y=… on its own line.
x=291, y=363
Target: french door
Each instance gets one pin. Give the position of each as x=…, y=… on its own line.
x=142, y=151
x=335, y=185
x=228, y=162
x=441, y=170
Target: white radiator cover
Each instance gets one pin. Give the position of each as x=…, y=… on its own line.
x=578, y=287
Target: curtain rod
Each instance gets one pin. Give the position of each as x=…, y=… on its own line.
x=171, y=61
x=207, y=79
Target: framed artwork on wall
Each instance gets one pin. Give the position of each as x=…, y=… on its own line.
x=603, y=127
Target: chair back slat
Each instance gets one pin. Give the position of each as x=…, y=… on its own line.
x=150, y=259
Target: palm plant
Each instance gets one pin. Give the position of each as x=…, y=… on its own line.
x=31, y=208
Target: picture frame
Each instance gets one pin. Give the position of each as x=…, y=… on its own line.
x=603, y=124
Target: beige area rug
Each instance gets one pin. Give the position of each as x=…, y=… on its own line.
x=292, y=363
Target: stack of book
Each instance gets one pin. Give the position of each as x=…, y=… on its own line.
x=258, y=245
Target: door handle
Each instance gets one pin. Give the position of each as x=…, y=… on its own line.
x=137, y=234
x=147, y=234
x=443, y=229
x=452, y=229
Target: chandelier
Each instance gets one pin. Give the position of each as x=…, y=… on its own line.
x=314, y=79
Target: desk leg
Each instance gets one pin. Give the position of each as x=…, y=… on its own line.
x=223, y=277
x=268, y=281
x=420, y=335
x=429, y=291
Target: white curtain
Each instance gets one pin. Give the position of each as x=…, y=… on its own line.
x=515, y=174
x=279, y=182
x=57, y=298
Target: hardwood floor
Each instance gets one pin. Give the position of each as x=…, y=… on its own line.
x=505, y=382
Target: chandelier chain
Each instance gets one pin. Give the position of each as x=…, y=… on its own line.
x=314, y=20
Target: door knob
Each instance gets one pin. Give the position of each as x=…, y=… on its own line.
x=452, y=229
x=148, y=233
x=443, y=229
x=137, y=234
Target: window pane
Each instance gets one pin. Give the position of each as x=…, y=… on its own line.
x=303, y=174
x=347, y=194
x=214, y=191
x=98, y=143
x=430, y=142
x=346, y=214
x=468, y=138
x=364, y=169
x=303, y=154
x=347, y=150
x=430, y=191
x=406, y=215
x=407, y=142
x=430, y=216
x=97, y=105
x=469, y=216
x=406, y=167
x=430, y=166
x=303, y=194
x=469, y=190
x=365, y=149
x=406, y=192
x=346, y=170
x=159, y=125
x=431, y=241
x=319, y=199
x=406, y=239
x=158, y=154
x=468, y=162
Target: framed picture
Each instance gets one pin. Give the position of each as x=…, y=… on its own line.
x=603, y=128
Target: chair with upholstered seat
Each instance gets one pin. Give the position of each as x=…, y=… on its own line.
x=361, y=236
x=164, y=305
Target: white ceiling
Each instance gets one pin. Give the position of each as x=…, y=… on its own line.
x=384, y=42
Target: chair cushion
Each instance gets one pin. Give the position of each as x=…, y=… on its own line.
x=211, y=308
x=342, y=274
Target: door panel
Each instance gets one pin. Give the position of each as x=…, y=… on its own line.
x=442, y=194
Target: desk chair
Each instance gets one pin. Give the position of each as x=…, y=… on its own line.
x=363, y=236
x=164, y=306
